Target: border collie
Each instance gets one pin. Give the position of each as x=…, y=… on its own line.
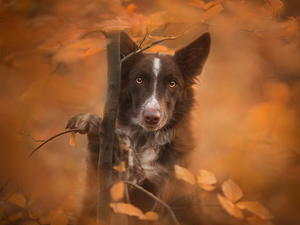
x=153, y=123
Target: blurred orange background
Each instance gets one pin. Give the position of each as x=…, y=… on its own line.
x=247, y=116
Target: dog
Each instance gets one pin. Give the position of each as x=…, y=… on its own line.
x=153, y=122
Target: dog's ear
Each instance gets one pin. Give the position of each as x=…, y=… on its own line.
x=127, y=45
x=192, y=57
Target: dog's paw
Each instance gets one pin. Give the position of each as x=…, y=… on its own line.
x=86, y=123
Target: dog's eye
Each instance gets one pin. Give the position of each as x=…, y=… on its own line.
x=172, y=84
x=139, y=80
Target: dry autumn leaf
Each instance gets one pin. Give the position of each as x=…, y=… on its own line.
x=59, y=219
x=18, y=200
x=8, y=195
x=113, y=25
x=197, y=3
x=117, y=191
x=275, y=6
x=130, y=9
x=232, y=191
x=73, y=139
x=93, y=51
x=126, y=209
x=184, y=174
x=229, y=207
x=121, y=167
x=36, y=215
x=205, y=179
x=149, y=216
x=256, y=208
x=211, y=12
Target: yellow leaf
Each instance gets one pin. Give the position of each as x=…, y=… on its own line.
x=209, y=5
x=8, y=195
x=211, y=12
x=18, y=200
x=36, y=215
x=73, y=139
x=126, y=209
x=257, y=220
x=275, y=5
x=232, y=191
x=184, y=174
x=256, y=208
x=149, y=216
x=92, y=51
x=121, y=167
x=207, y=187
x=206, y=177
x=229, y=207
x=117, y=191
x=59, y=219
x=130, y=9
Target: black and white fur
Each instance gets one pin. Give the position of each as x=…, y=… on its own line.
x=153, y=126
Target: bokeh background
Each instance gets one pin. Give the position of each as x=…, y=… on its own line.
x=246, y=119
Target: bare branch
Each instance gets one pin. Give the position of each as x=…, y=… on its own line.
x=143, y=39
x=28, y=135
x=159, y=41
x=55, y=136
x=156, y=199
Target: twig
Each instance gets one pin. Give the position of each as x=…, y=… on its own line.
x=34, y=138
x=46, y=141
x=143, y=39
x=159, y=41
x=2, y=188
x=156, y=199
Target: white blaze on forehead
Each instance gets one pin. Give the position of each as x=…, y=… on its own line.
x=156, y=66
x=152, y=101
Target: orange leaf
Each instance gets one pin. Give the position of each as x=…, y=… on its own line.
x=92, y=51
x=73, y=139
x=207, y=187
x=130, y=9
x=8, y=195
x=256, y=208
x=209, y=5
x=184, y=174
x=121, y=167
x=18, y=200
x=206, y=177
x=211, y=12
x=232, y=191
x=113, y=25
x=126, y=209
x=197, y=3
x=36, y=215
x=229, y=207
x=157, y=48
x=59, y=219
x=276, y=5
x=117, y=191
x=149, y=216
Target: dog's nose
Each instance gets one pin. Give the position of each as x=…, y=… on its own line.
x=151, y=116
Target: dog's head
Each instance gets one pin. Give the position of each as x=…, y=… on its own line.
x=156, y=88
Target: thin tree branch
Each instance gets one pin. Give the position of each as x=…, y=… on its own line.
x=46, y=141
x=156, y=199
x=159, y=41
x=28, y=135
x=143, y=39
